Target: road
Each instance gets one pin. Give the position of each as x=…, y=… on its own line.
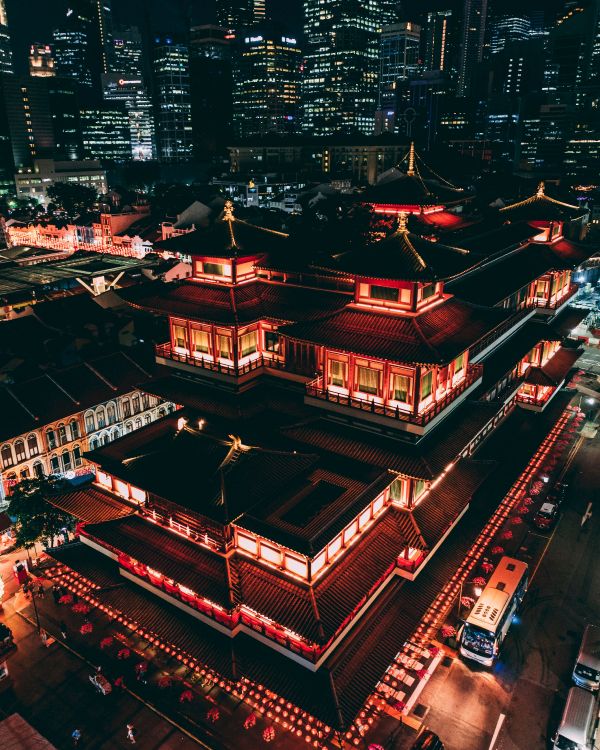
x=529, y=683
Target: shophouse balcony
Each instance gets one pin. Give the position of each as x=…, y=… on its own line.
x=318, y=394
x=248, y=368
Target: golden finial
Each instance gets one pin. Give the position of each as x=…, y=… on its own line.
x=228, y=211
x=541, y=191
x=411, y=160
x=403, y=221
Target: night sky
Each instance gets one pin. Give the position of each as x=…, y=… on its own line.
x=33, y=20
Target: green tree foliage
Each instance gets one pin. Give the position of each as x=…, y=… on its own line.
x=71, y=198
x=36, y=519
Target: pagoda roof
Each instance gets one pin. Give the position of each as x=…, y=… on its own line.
x=234, y=305
x=404, y=255
x=498, y=280
x=555, y=370
x=541, y=207
x=90, y=505
x=161, y=458
x=227, y=237
x=434, y=336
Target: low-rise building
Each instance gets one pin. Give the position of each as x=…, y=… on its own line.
x=34, y=182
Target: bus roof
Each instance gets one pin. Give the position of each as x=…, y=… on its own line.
x=490, y=606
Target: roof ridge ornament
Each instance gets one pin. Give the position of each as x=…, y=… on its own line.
x=228, y=211
x=411, y=160
x=541, y=190
x=402, y=222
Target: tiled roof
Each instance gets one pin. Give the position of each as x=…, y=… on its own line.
x=90, y=505
x=435, y=336
x=172, y=555
x=555, y=370
x=568, y=319
x=60, y=393
x=541, y=207
x=405, y=256
x=406, y=190
x=242, y=304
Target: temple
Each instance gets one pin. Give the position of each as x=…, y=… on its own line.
x=288, y=525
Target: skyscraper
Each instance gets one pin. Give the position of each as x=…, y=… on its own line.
x=398, y=61
x=437, y=40
x=6, y=61
x=173, y=100
x=41, y=61
x=266, y=83
x=71, y=54
x=509, y=28
x=128, y=52
x=105, y=133
x=340, y=77
x=473, y=37
x=240, y=14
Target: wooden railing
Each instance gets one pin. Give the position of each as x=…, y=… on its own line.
x=235, y=370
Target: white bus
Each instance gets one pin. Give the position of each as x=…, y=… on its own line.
x=491, y=616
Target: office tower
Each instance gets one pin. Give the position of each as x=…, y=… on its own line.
x=24, y=101
x=473, y=37
x=266, y=91
x=212, y=105
x=508, y=28
x=128, y=52
x=6, y=61
x=105, y=133
x=64, y=106
x=240, y=14
x=172, y=99
x=342, y=53
x=437, y=40
x=41, y=61
x=398, y=61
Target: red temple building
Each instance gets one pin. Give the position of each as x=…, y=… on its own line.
x=292, y=522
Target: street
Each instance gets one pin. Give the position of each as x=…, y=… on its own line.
x=521, y=700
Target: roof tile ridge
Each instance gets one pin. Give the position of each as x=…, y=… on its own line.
x=135, y=364
x=100, y=376
x=64, y=390
x=423, y=337
x=262, y=229
x=21, y=404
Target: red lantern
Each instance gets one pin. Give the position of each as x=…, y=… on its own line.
x=86, y=628
x=124, y=653
x=186, y=697
x=269, y=734
x=106, y=642
x=213, y=714
x=250, y=721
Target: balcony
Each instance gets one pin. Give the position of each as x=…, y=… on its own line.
x=393, y=415
x=552, y=307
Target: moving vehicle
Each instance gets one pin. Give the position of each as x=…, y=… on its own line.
x=546, y=516
x=492, y=614
x=579, y=722
x=428, y=741
x=587, y=667
x=101, y=684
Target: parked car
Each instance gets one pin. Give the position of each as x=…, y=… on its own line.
x=428, y=741
x=546, y=516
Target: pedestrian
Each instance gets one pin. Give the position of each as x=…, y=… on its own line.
x=131, y=733
x=76, y=736
x=56, y=593
x=63, y=630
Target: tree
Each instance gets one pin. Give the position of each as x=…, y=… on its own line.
x=71, y=198
x=36, y=518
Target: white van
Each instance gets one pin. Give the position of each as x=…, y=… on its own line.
x=587, y=667
x=579, y=722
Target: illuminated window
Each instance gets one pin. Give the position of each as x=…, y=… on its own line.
x=427, y=384
x=20, y=450
x=401, y=385
x=337, y=373
x=459, y=364
x=180, y=336
x=201, y=342
x=214, y=269
x=427, y=291
x=368, y=380
x=389, y=293
x=248, y=344
x=224, y=346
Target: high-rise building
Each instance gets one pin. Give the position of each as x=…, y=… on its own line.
x=41, y=61
x=240, y=14
x=398, y=61
x=64, y=106
x=172, y=99
x=210, y=41
x=128, y=52
x=509, y=28
x=266, y=94
x=105, y=133
x=71, y=55
x=6, y=57
x=472, y=41
x=437, y=40
x=25, y=101
x=342, y=54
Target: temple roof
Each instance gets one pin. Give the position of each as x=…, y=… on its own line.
x=555, y=370
x=227, y=237
x=434, y=336
x=405, y=256
x=240, y=304
x=541, y=207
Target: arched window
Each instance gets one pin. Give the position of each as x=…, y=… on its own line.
x=162, y=412
x=77, y=459
x=66, y=461
x=74, y=427
x=51, y=438
x=135, y=402
x=20, y=451
x=116, y=434
x=138, y=423
x=105, y=438
x=11, y=478
x=148, y=418
x=54, y=465
x=111, y=414
x=90, y=422
x=32, y=445
x=7, y=456
x=62, y=434
x=101, y=417
x=38, y=469
x=145, y=401
x=93, y=444
x=128, y=426
x=126, y=407
x=25, y=473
